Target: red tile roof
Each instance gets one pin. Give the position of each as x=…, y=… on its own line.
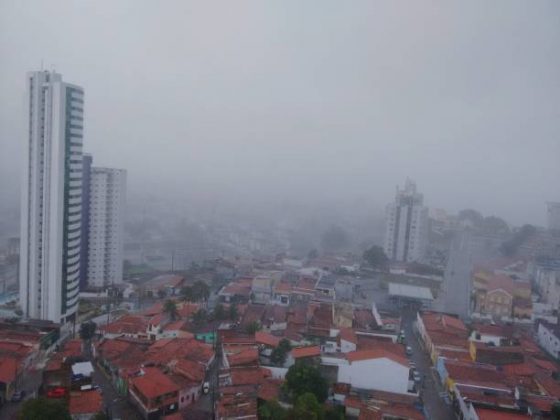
x=154, y=383
x=89, y=402
x=270, y=389
x=128, y=324
x=359, y=355
x=266, y=339
x=489, y=414
x=241, y=355
x=8, y=369
x=248, y=375
x=348, y=334
x=189, y=369
x=312, y=351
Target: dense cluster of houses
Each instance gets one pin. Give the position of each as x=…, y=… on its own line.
x=490, y=371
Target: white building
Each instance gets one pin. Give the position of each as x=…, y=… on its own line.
x=106, y=226
x=548, y=337
x=406, y=225
x=553, y=215
x=373, y=370
x=51, y=199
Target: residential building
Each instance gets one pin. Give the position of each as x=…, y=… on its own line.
x=553, y=215
x=548, y=337
x=106, y=226
x=51, y=199
x=86, y=197
x=406, y=225
x=500, y=296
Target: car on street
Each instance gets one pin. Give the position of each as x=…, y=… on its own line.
x=417, y=376
x=17, y=396
x=409, y=351
x=206, y=387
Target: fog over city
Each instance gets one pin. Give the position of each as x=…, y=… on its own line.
x=289, y=105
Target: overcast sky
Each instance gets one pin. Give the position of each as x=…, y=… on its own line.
x=303, y=100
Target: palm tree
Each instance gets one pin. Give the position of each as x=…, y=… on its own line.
x=170, y=308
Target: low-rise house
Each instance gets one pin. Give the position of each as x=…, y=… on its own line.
x=548, y=337
x=281, y=293
x=500, y=296
x=442, y=333
x=154, y=393
x=498, y=335
x=131, y=326
x=237, y=291
x=237, y=403
x=85, y=405
x=261, y=289
x=376, y=370
x=275, y=318
x=164, y=285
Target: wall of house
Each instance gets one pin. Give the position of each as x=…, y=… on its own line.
x=382, y=374
x=548, y=341
x=347, y=346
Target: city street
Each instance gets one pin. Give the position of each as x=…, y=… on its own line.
x=430, y=389
x=30, y=384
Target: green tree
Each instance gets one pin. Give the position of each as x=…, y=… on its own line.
x=219, y=312
x=187, y=294
x=471, y=215
x=375, y=256
x=495, y=225
x=200, y=290
x=278, y=355
x=200, y=316
x=272, y=410
x=233, y=313
x=170, y=309
x=87, y=330
x=253, y=327
x=302, y=378
x=307, y=407
x=43, y=409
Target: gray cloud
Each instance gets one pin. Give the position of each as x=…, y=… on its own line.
x=304, y=101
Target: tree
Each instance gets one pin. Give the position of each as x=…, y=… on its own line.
x=87, y=330
x=187, y=294
x=43, y=409
x=200, y=316
x=233, y=313
x=302, y=378
x=253, y=327
x=334, y=239
x=219, y=312
x=556, y=410
x=200, y=291
x=495, y=225
x=375, y=256
x=509, y=247
x=471, y=215
x=271, y=410
x=170, y=308
x=278, y=355
x=307, y=407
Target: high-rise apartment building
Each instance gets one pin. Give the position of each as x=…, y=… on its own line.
x=106, y=226
x=406, y=225
x=553, y=216
x=86, y=186
x=51, y=199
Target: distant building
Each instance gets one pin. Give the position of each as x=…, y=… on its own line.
x=548, y=337
x=106, y=226
x=406, y=225
x=51, y=195
x=553, y=215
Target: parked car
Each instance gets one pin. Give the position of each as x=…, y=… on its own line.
x=417, y=376
x=18, y=396
x=206, y=387
x=408, y=350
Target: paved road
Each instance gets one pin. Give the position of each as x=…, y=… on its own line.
x=430, y=390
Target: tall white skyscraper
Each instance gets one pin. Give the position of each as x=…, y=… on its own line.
x=406, y=225
x=106, y=226
x=51, y=198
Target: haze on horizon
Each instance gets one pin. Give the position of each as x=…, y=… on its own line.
x=304, y=102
